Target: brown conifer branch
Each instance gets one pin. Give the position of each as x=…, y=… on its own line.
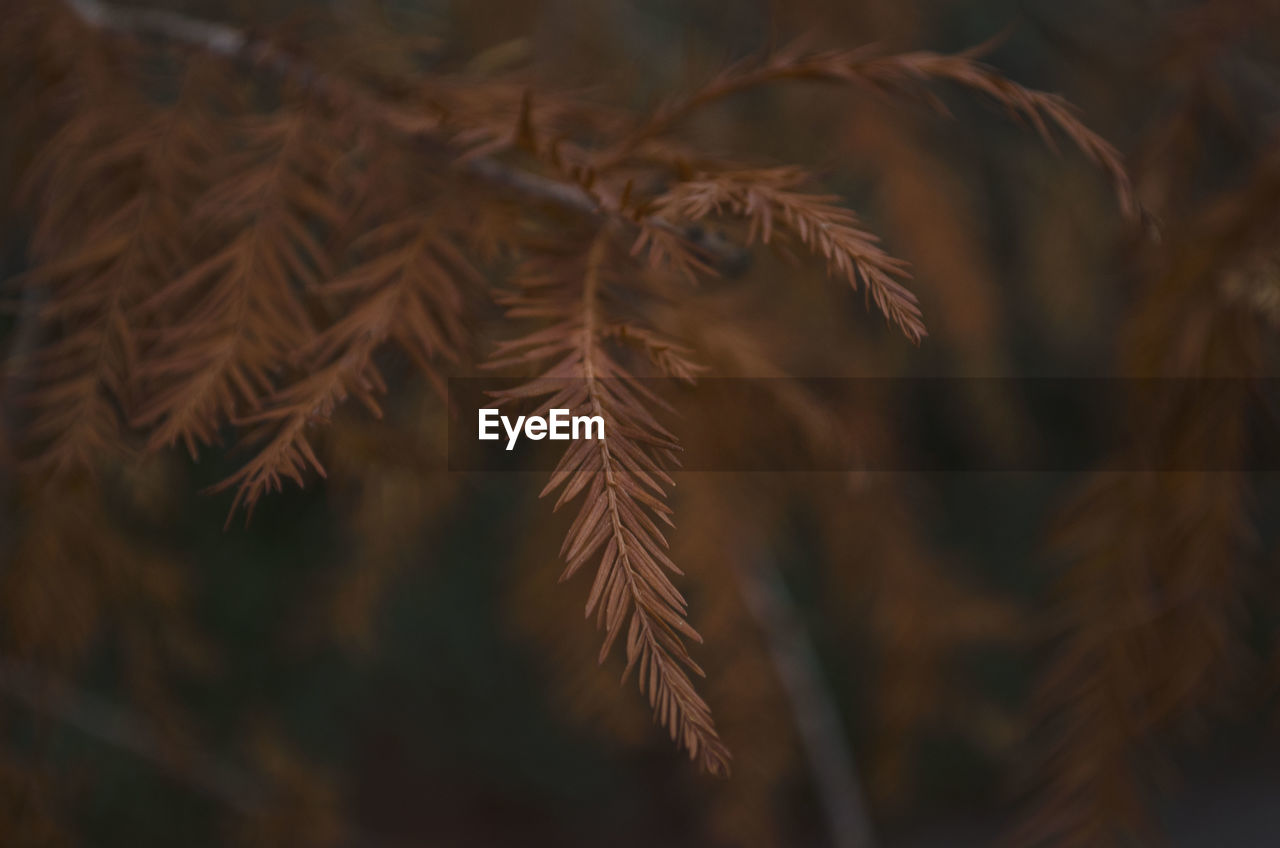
x=407, y=293
x=240, y=317
x=903, y=74
x=346, y=98
x=1157, y=556
x=769, y=201
x=624, y=478
x=107, y=232
x=241, y=790
x=108, y=723
x=621, y=479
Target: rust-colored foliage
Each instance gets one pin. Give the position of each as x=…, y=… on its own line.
x=1150, y=631
x=1151, y=611
x=828, y=230
x=238, y=257
x=623, y=478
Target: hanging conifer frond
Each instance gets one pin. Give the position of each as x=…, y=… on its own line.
x=903, y=75
x=407, y=294
x=235, y=317
x=767, y=199
x=121, y=177
x=624, y=477
x=1150, y=602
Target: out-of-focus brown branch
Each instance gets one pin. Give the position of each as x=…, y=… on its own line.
x=241, y=790
x=108, y=723
x=817, y=719
x=347, y=98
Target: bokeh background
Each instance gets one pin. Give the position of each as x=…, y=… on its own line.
x=386, y=658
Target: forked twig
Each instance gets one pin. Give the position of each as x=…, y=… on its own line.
x=239, y=46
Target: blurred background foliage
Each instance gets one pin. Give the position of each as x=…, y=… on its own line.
x=385, y=658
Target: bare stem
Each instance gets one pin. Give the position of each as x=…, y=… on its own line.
x=835, y=777
x=218, y=778
x=100, y=719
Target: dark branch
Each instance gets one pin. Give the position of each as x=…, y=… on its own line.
x=239, y=46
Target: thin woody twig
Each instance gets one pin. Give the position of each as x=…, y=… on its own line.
x=239, y=46
x=104, y=721
x=817, y=720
